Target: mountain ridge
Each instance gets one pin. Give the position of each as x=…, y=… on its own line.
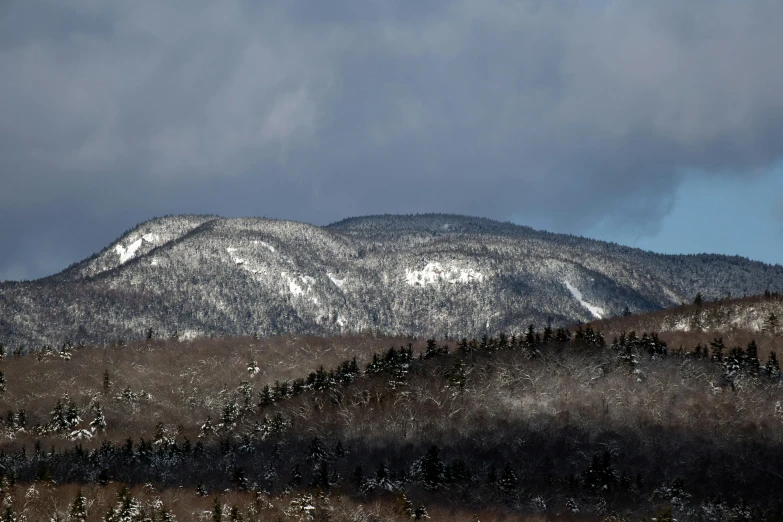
x=426, y=274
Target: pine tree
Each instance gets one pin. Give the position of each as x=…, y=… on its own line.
x=339, y=450
x=2, y=382
x=752, y=358
x=217, y=510
x=771, y=324
x=772, y=368
x=317, y=451
x=266, y=398
x=201, y=491
x=530, y=337
x=234, y=515
x=432, y=469
x=717, y=349
x=296, y=476
x=321, y=476
x=456, y=376
x=58, y=422
x=10, y=514
x=99, y=422
x=106, y=381
x=420, y=512
x=508, y=481
x=562, y=335
x=71, y=414
x=78, y=511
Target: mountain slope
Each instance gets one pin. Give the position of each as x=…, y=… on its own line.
x=419, y=275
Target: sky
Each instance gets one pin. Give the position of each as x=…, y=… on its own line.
x=653, y=124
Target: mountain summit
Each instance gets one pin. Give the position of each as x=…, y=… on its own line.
x=432, y=274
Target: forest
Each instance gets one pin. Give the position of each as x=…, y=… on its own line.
x=552, y=423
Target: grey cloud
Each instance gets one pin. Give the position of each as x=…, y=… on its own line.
x=560, y=114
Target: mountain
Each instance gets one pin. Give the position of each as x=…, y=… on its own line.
x=443, y=275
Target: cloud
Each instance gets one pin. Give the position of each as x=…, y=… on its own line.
x=567, y=113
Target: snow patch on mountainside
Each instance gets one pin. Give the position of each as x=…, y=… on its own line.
x=597, y=311
x=265, y=245
x=129, y=252
x=435, y=272
x=299, y=285
x=337, y=282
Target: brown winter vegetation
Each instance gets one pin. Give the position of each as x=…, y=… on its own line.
x=547, y=425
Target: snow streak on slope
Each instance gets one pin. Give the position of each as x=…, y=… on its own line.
x=597, y=311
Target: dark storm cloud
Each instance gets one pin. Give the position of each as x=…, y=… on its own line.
x=561, y=113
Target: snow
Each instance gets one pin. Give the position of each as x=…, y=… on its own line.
x=337, y=282
x=266, y=245
x=127, y=254
x=597, y=311
x=434, y=272
x=154, y=262
x=293, y=287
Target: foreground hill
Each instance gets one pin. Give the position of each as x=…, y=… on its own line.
x=413, y=275
x=552, y=425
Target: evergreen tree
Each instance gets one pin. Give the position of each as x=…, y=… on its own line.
x=548, y=333
x=420, y=512
x=339, y=450
x=321, y=476
x=562, y=335
x=78, y=512
x=99, y=422
x=234, y=515
x=296, y=476
x=456, y=376
x=71, y=414
x=266, y=398
x=432, y=469
x=530, y=337
x=106, y=381
x=2, y=382
x=507, y=482
x=752, y=358
x=217, y=510
x=772, y=368
x=10, y=514
x=58, y=422
x=771, y=324
x=717, y=349
x=317, y=451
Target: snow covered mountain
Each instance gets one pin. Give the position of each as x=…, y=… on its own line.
x=441, y=275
